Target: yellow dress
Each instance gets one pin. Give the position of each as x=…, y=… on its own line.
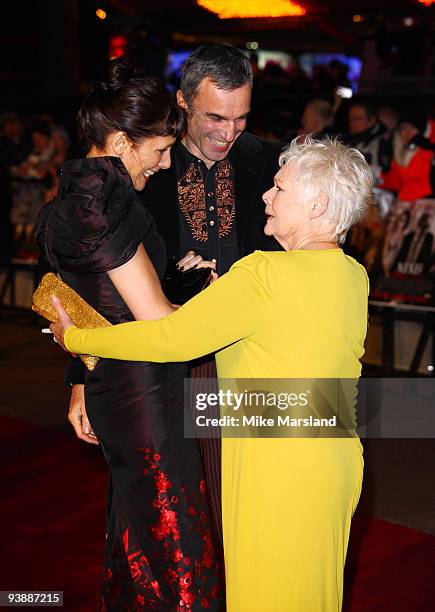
x=287, y=503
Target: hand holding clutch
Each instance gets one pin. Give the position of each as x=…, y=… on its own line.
x=179, y=286
x=81, y=313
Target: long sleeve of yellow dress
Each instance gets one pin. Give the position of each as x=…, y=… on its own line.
x=228, y=310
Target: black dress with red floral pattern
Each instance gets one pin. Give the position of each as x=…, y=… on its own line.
x=160, y=550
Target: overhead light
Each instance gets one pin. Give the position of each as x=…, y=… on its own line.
x=252, y=45
x=408, y=22
x=243, y=9
x=358, y=18
x=427, y=2
x=100, y=13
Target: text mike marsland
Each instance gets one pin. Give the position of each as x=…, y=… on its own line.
x=259, y=421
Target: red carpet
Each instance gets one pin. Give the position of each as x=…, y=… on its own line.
x=390, y=568
x=52, y=513
x=52, y=530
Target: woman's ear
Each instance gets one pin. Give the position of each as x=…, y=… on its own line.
x=118, y=143
x=318, y=205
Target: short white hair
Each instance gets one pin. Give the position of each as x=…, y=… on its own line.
x=328, y=166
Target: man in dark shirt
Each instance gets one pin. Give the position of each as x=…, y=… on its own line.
x=210, y=200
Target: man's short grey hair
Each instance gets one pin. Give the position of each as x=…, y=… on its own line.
x=225, y=65
x=328, y=166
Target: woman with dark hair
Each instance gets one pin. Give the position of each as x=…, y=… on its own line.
x=159, y=550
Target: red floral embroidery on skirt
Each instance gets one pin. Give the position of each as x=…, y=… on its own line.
x=193, y=582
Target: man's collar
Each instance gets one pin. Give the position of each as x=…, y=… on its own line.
x=181, y=149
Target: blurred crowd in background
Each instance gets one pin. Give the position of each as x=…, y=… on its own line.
x=32, y=151
x=397, y=142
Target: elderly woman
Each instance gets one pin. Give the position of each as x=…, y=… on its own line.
x=287, y=503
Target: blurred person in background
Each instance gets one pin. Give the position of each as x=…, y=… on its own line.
x=13, y=148
x=367, y=134
x=317, y=119
x=32, y=179
x=388, y=116
x=6, y=233
x=326, y=79
x=13, y=151
x=60, y=144
x=409, y=175
x=338, y=74
x=299, y=80
x=275, y=79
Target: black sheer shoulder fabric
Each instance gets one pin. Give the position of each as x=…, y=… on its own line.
x=97, y=224
x=99, y=221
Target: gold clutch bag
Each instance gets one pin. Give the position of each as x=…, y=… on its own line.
x=83, y=315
